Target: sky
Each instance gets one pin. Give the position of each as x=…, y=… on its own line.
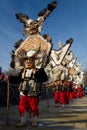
x=68, y=20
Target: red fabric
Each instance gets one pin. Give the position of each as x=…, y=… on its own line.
x=74, y=91
x=62, y=98
x=74, y=94
x=66, y=93
x=29, y=104
x=56, y=97
x=79, y=93
x=70, y=95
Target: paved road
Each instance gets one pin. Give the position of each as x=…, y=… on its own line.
x=72, y=117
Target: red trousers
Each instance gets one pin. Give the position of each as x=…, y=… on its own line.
x=56, y=97
x=70, y=95
x=29, y=104
x=62, y=98
x=74, y=94
x=79, y=93
x=66, y=93
x=59, y=97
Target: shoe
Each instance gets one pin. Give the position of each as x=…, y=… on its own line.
x=34, y=124
x=20, y=125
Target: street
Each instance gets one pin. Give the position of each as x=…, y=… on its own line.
x=72, y=116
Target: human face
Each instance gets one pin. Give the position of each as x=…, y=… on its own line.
x=29, y=63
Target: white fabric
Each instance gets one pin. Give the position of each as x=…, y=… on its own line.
x=28, y=72
x=31, y=53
